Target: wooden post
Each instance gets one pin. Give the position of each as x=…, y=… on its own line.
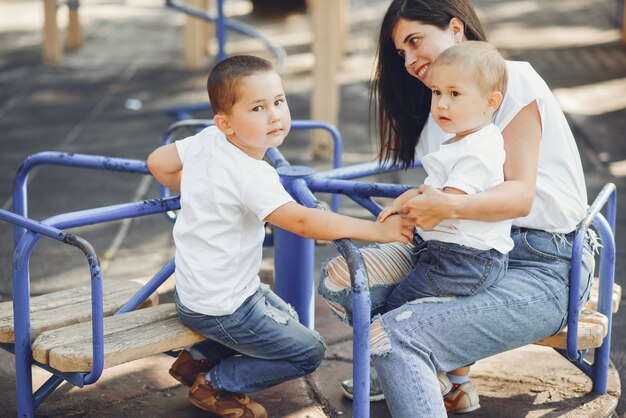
x=74, y=31
x=208, y=28
x=623, y=21
x=195, y=37
x=329, y=26
x=52, y=51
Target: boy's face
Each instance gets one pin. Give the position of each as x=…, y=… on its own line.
x=260, y=117
x=458, y=104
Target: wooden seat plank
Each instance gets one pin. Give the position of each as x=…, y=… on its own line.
x=67, y=307
x=595, y=292
x=592, y=328
x=127, y=337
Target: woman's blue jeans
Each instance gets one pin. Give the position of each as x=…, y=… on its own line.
x=441, y=334
x=258, y=346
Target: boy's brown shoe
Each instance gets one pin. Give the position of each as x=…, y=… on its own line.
x=185, y=368
x=222, y=403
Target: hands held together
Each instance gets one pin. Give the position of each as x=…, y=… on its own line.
x=424, y=207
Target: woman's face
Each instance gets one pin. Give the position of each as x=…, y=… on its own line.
x=418, y=44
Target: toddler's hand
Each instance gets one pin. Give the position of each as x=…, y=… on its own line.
x=386, y=212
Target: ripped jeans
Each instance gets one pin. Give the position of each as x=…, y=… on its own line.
x=411, y=343
x=447, y=269
x=259, y=345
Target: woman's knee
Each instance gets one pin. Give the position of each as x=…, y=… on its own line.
x=380, y=343
x=336, y=275
x=334, y=286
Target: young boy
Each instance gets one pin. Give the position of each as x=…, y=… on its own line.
x=460, y=257
x=227, y=193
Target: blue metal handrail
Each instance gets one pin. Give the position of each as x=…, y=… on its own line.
x=53, y=228
x=608, y=194
x=606, y=229
x=53, y=158
x=273, y=154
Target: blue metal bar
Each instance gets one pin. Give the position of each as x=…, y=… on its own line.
x=361, y=313
x=274, y=155
x=47, y=389
x=574, y=288
x=373, y=207
x=220, y=30
x=294, y=255
x=608, y=193
x=222, y=22
x=363, y=170
x=21, y=287
x=21, y=305
x=149, y=288
x=295, y=180
x=198, y=124
x=605, y=305
x=113, y=213
x=20, y=183
x=362, y=189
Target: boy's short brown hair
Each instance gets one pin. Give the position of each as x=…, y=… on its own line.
x=224, y=79
x=479, y=59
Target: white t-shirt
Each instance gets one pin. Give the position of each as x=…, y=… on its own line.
x=474, y=164
x=561, y=197
x=225, y=197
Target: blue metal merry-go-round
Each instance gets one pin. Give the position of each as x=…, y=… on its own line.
x=293, y=259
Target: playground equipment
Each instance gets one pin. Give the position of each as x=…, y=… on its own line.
x=66, y=348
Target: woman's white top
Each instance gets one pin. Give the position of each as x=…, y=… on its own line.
x=225, y=196
x=561, y=197
x=473, y=164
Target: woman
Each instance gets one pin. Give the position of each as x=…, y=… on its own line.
x=544, y=193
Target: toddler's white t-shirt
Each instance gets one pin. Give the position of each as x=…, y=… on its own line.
x=473, y=164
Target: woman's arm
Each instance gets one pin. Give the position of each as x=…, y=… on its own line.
x=165, y=165
x=511, y=199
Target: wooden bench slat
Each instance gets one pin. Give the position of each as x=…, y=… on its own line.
x=67, y=307
x=592, y=328
x=595, y=290
x=127, y=337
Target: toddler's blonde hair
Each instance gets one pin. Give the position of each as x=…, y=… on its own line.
x=480, y=60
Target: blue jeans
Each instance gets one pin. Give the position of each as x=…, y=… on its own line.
x=441, y=333
x=258, y=346
x=447, y=269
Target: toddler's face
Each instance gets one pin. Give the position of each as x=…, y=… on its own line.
x=458, y=104
x=260, y=118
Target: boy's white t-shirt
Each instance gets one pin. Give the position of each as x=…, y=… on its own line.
x=473, y=165
x=219, y=231
x=561, y=197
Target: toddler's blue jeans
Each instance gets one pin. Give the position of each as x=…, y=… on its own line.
x=447, y=269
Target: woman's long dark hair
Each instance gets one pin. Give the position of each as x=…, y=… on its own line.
x=401, y=101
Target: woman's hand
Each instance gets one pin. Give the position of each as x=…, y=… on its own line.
x=429, y=207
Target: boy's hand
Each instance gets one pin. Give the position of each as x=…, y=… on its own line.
x=396, y=228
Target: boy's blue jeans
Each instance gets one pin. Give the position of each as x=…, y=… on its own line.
x=258, y=346
x=447, y=269
x=442, y=333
